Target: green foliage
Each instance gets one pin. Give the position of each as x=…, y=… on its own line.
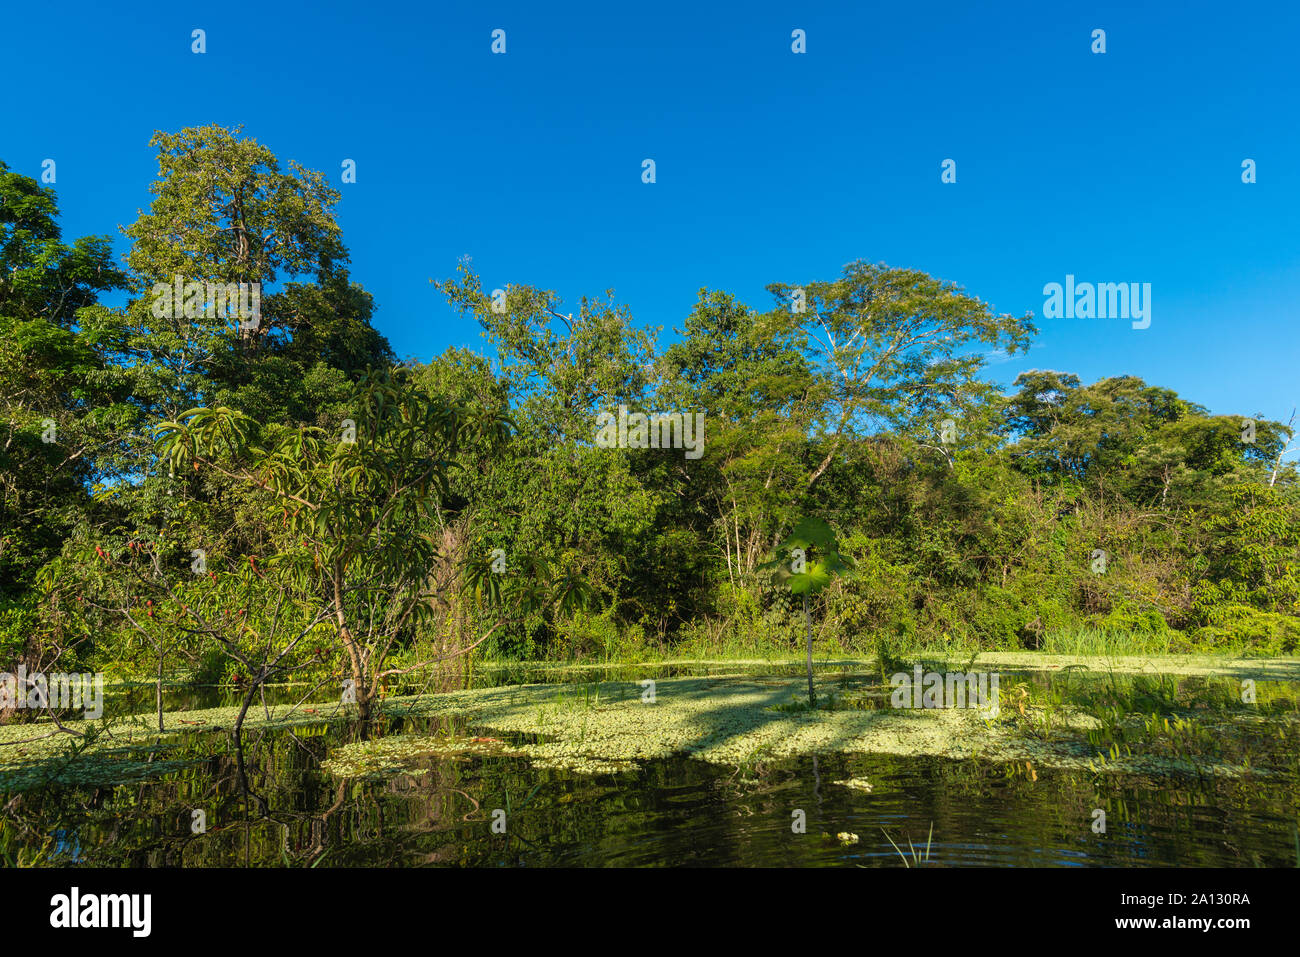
x=810, y=534
x=354, y=511
x=1242, y=629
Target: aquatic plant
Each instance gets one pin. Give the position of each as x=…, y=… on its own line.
x=917, y=858
x=809, y=534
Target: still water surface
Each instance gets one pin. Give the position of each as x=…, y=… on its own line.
x=278, y=808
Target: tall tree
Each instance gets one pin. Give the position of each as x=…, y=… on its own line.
x=59, y=405
x=896, y=347
x=224, y=213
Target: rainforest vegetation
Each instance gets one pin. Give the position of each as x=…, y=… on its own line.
x=188, y=496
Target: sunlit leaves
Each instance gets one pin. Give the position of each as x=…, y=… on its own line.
x=814, y=537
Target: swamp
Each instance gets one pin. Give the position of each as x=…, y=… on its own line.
x=716, y=763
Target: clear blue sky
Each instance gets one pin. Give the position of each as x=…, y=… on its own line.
x=772, y=166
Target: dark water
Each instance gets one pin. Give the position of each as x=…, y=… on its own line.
x=275, y=807
x=674, y=812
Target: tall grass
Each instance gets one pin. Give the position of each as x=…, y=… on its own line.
x=1096, y=641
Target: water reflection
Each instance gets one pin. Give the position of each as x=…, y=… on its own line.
x=278, y=808
x=266, y=802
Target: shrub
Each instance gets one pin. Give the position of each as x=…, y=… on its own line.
x=1250, y=631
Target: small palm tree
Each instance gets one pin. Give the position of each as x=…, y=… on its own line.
x=804, y=575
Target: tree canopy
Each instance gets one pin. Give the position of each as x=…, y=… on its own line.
x=184, y=490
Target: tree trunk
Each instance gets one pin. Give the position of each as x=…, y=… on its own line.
x=812, y=696
x=356, y=658
x=158, y=690
x=360, y=687
x=248, y=699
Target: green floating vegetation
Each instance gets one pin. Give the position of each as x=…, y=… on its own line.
x=1266, y=669
x=580, y=765
x=402, y=752
x=609, y=727
x=1086, y=720
x=97, y=770
x=119, y=749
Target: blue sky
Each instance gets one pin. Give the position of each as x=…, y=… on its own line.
x=771, y=166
